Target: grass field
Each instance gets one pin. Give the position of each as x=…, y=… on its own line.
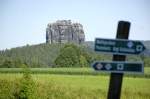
x=60, y=86
x=71, y=71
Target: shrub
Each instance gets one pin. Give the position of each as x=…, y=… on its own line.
x=27, y=85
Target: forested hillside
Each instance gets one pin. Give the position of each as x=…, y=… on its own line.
x=57, y=55
x=41, y=55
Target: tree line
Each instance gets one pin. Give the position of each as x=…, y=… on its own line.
x=56, y=55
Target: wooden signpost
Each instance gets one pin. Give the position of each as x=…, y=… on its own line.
x=119, y=47
x=115, y=83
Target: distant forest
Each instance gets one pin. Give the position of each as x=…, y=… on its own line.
x=56, y=55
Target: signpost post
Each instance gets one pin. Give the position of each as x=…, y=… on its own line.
x=115, y=83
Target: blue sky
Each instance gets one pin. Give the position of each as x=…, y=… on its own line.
x=24, y=21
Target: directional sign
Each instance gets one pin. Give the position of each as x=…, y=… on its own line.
x=119, y=46
x=119, y=67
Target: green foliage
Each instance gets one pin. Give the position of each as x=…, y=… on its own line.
x=23, y=88
x=71, y=87
x=6, y=89
x=7, y=63
x=68, y=57
x=27, y=85
x=42, y=55
x=83, y=61
x=146, y=61
x=50, y=55
x=72, y=56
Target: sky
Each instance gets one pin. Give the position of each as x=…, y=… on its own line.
x=24, y=22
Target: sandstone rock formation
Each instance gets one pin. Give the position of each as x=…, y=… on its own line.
x=63, y=31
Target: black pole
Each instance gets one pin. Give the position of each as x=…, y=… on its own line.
x=115, y=83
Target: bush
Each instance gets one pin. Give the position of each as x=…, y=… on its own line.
x=27, y=85
x=83, y=61
x=72, y=56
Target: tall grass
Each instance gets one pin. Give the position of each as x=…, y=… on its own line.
x=73, y=86
x=70, y=71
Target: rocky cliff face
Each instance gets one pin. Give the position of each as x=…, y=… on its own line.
x=63, y=31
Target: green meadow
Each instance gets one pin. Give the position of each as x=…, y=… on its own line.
x=72, y=83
